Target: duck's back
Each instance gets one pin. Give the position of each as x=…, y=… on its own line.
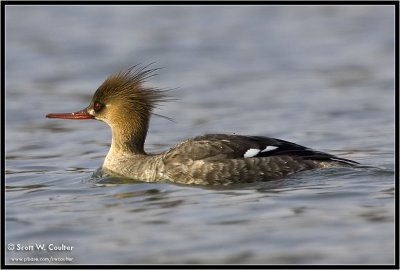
x=225, y=159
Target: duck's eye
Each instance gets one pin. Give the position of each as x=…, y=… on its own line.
x=97, y=106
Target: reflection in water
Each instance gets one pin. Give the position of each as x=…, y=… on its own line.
x=376, y=214
x=137, y=193
x=27, y=187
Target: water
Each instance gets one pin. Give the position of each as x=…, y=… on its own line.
x=319, y=76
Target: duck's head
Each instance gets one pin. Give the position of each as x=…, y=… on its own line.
x=123, y=103
x=121, y=97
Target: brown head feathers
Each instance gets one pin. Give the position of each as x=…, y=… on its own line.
x=126, y=89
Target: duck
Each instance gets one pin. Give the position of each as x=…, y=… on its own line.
x=126, y=104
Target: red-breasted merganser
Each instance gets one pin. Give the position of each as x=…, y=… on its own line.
x=125, y=104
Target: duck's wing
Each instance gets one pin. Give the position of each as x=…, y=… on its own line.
x=217, y=147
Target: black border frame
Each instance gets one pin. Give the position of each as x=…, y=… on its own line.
x=184, y=266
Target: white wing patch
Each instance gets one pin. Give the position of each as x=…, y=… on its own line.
x=269, y=148
x=251, y=152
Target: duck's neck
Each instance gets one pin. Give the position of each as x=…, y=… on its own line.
x=129, y=137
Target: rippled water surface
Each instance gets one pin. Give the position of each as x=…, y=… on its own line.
x=319, y=76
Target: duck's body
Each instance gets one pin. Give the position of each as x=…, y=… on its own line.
x=123, y=103
x=221, y=159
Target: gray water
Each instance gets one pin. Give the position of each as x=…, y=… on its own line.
x=320, y=76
